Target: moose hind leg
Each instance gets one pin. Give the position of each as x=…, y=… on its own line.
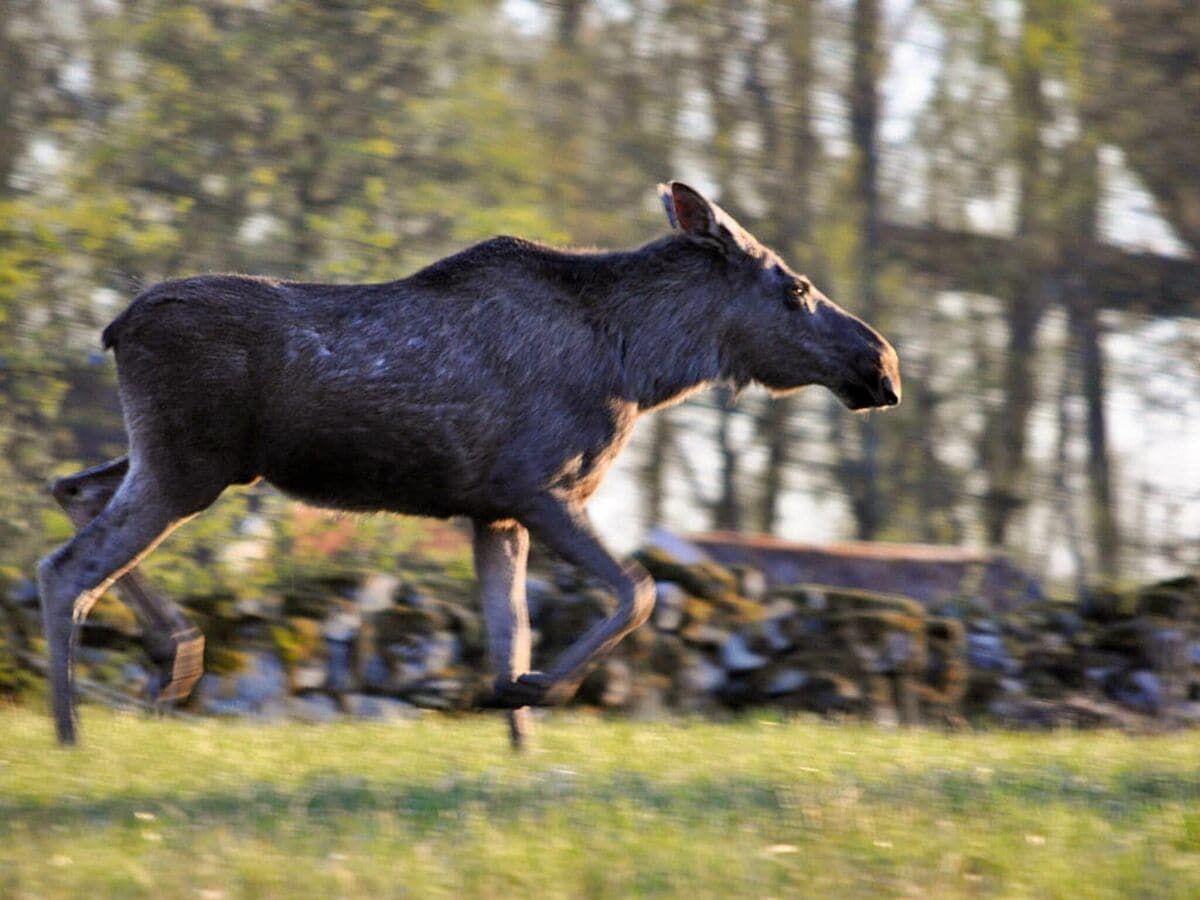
x=174, y=643
x=71, y=578
x=566, y=531
x=501, y=550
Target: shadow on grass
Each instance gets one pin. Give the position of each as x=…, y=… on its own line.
x=327, y=801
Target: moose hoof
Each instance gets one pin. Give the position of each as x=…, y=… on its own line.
x=183, y=668
x=530, y=689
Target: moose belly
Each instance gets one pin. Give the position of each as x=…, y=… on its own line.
x=364, y=472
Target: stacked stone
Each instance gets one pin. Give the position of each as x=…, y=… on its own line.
x=1119, y=658
x=719, y=640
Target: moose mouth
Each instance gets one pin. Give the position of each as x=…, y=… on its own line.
x=857, y=396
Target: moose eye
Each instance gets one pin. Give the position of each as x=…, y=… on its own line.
x=797, y=296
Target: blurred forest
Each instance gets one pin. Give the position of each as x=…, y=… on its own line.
x=1009, y=190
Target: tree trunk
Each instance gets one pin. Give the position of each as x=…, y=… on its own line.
x=654, y=469
x=1003, y=450
x=1085, y=327
x=867, y=502
x=774, y=431
x=793, y=213
x=14, y=66
x=727, y=512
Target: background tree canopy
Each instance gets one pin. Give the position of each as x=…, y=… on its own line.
x=1011, y=191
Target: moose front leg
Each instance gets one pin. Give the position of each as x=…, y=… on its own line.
x=565, y=530
x=174, y=644
x=501, y=551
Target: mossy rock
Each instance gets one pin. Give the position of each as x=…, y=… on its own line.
x=946, y=630
x=214, y=613
x=1044, y=685
x=946, y=668
x=827, y=693
x=298, y=640
x=704, y=579
x=667, y=656
x=399, y=623
x=872, y=625
x=1062, y=664
x=739, y=609
x=1168, y=603
x=16, y=678
x=704, y=634
x=1126, y=638
x=961, y=608
x=110, y=624
x=983, y=687
x=751, y=582
x=1188, y=584
x=110, y=612
x=1104, y=604
x=840, y=600
x=697, y=610
x=310, y=601
x=825, y=656
x=224, y=660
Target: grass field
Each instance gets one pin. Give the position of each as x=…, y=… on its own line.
x=438, y=807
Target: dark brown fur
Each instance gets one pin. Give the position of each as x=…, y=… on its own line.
x=499, y=383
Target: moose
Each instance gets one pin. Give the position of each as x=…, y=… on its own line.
x=497, y=384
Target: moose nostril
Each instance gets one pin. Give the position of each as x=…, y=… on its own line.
x=889, y=395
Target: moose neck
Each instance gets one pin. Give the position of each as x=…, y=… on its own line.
x=664, y=306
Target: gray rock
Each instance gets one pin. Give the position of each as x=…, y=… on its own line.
x=986, y=651
x=649, y=703
x=377, y=592
x=985, y=626
x=135, y=679
x=312, y=708
x=375, y=674
x=618, y=683
x=670, y=605
x=260, y=690
x=702, y=634
x=339, y=673
x=263, y=682
x=1140, y=690
x=815, y=600
x=261, y=607
x=1167, y=650
x=774, y=634
x=384, y=709
x=736, y=655
x=419, y=658
x=436, y=693
x=681, y=548
x=786, y=681
x=342, y=625
x=752, y=583
x=308, y=677
x=24, y=593
x=700, y=676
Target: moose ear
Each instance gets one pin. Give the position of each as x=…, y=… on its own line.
x=689, y=210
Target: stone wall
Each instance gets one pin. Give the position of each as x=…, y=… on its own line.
x=721, y=638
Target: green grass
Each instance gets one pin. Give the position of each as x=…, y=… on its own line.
x=438, y=807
